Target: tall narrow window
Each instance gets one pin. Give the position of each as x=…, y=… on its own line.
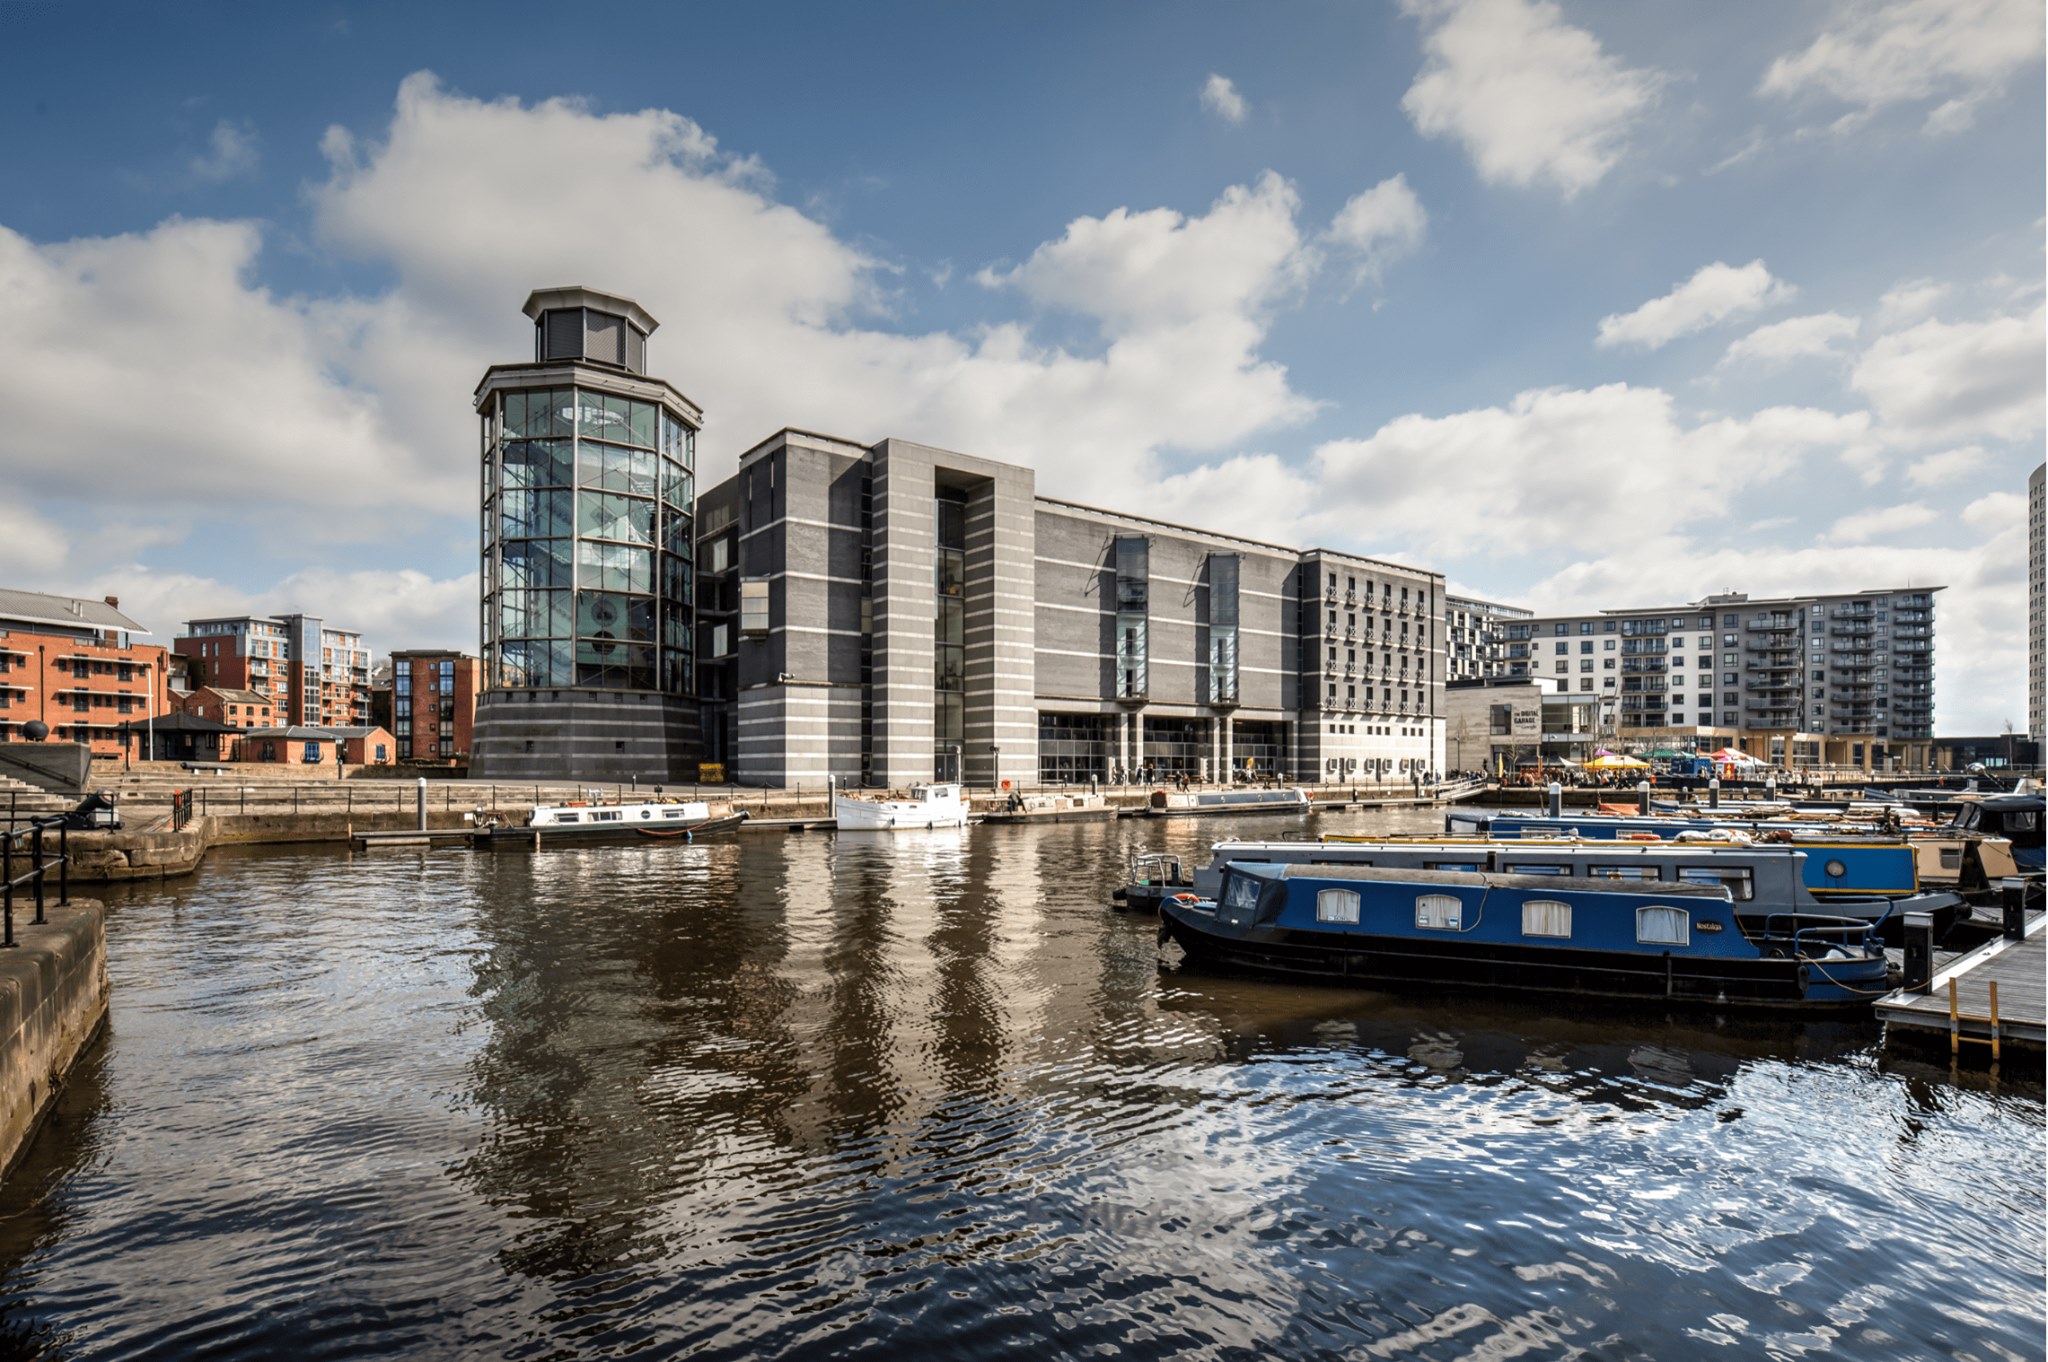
x=1224, y=570
x=1133, y=587
x=949, y=635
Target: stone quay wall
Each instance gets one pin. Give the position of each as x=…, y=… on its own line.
x=53, y=1001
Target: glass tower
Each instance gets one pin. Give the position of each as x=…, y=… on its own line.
x=587, y=496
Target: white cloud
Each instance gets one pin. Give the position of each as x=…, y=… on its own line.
x=1379, y=226
x=1943, y=380
x=1533, y=99
x=1909, y=301
x=1556, y=466
x=1715, y=293
x=302, y=415
x=1860, y=527
x=231, y=152
x=1220, y=97
x=1946, y=468
x=1812, y=336
x=1875, y=55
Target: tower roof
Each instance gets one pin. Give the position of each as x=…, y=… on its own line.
x=576, y=295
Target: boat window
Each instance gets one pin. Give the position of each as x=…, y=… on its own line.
x=1337, y=860
x=1951, y=858
x=1661, y=926
x=1736, y=878
x=610, y=816
x=1451, y=865
x=1445, y=912
x=1337, y=905
x=2025, y=821
x=568, y=817
x=1546, y=917
x=646, y=813
x=1625, y=872
x=1537, y=869
x=1243, y=892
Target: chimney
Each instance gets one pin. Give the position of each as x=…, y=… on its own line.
x=114, y=601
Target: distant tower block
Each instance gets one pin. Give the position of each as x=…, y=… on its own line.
x=588, y=490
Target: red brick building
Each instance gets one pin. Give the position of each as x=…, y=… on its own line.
x=231, y=706
x=433, y=703
x=74, y=665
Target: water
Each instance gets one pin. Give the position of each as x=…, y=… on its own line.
x=926, y=1097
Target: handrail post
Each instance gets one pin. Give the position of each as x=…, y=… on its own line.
x=7, y=880
x=64, y=864
x=36, y=850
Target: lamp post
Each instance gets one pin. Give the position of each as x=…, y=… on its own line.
x=995, y=771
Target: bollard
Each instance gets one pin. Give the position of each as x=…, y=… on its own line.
x=1714, y=792
x=422, y=803
x=1555, y=799
x=2012, y=903
x=1919, y=951
x=1643, y=796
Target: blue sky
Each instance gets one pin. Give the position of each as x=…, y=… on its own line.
x=1581, y=304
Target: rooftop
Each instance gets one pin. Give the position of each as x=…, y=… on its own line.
x=70, y=612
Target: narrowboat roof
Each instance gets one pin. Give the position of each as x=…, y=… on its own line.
x=1485, y=879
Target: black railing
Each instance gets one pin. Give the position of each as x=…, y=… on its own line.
x=181, y=809
x=38, y=872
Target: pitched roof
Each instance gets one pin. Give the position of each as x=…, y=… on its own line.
x=70, y=612
x=240, y=696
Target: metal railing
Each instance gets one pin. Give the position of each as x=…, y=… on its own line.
x=181, y=809
x=38, y=872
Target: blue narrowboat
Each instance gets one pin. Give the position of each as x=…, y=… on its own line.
x=1384, y=928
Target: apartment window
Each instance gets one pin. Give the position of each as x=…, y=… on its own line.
x=754, y=607
x=1564, y=647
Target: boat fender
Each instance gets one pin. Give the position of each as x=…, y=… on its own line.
x=1641, y=837
x=1186, y=898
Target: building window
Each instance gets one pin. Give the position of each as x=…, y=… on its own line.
x=754, y=607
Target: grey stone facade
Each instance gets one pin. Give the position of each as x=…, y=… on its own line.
x=1213, y=662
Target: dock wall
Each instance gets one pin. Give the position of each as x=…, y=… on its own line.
x=53, y=1001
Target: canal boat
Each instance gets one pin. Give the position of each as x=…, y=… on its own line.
x=1188, y=803
x=927, y=806
x=1401, y=929
x=1084, y=806
x=2014, y=818
x=1876, y=882
x=579, y=822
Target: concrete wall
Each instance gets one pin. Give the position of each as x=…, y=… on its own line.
x=59, y=767
x=53, y=1000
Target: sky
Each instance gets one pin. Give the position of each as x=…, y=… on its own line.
x=1584, y=305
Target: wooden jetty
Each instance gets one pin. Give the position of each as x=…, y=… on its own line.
x=1994, y=994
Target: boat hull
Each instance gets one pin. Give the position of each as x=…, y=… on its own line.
x=514, y=839
x=1399, y=964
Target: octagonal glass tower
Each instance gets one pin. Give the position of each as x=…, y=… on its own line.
x=587, y=494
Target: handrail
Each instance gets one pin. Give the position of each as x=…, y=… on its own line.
x=38, y=871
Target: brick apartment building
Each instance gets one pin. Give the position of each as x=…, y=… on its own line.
x=74, y=665
x=433, y=703
x=231, y=706
x=311, y=673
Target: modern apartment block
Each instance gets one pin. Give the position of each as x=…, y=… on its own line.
x=895, y=612
x=1809, y=680
x=314, y=674
x=588, y=529
x=2037, y=626
x=74, y=665
x=433, y=703
x=1475, y=637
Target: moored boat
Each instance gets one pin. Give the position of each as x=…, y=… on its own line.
x=1387, y=928
x=682, y=820
x=926, y=806
x=1082, y=807
x=1180, y=803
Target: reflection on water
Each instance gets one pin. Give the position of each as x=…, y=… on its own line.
x=813, y=1096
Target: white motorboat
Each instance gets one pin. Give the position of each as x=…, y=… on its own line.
x=928, y=806
x=684, y=820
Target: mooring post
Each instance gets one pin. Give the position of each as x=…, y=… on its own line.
x=1643, y=795
x=2012, y=903
x=1919, y=951
x=422, y=803
x=1713, y=792
x=1554, y=799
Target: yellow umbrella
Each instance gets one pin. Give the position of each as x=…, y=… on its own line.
x=1616, y=763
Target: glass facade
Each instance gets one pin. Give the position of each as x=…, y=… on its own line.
x=587, y=503
x=949, y=636
x=1223, y=577
x=1133, y=584
x=1074, y=748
